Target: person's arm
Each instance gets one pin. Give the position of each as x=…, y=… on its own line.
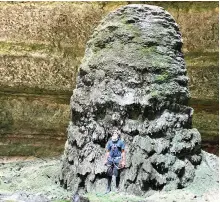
x=123, y=154
x=123, y=158
x=106, y=157
x=107, y=153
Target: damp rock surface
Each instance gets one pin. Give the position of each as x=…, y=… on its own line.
x=133, y=78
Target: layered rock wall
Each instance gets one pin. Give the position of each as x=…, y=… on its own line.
x=41, y=47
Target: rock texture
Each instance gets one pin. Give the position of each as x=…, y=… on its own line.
x=39, y=64
x=133, y=78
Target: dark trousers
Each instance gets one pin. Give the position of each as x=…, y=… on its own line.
x=113, y=169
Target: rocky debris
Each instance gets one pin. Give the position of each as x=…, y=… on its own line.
x=133, y=78
x=24, y=197
x=25, y=185
x=182, y=195
x=31, y=181
x=78, y=198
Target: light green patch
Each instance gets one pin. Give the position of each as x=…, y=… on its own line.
x=206, y=122
x=34, y=91
x=130, y=27
x=147, y=50
x=18, y=48
x=20, y=149
x=159, y=63
x=114, y=197
x=162, y=78
x=154, y=93
x=134, y=29
x=200, y=59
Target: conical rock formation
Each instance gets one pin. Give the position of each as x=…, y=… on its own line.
x=133, y=78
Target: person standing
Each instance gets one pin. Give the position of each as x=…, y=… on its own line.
x=114, y=159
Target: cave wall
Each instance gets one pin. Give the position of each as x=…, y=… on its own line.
x=41, y=47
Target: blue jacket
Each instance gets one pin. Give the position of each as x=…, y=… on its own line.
x=115, y=148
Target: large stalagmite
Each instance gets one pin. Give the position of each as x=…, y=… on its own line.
x=133, y=78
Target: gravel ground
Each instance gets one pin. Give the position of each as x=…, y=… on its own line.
x=34, y=180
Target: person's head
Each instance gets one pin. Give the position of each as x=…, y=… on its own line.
x=115, y=135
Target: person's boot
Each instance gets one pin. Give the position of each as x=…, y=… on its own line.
x=108, y=185
x=117, y=181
